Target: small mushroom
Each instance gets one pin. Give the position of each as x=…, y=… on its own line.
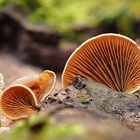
x=41, y=84
x=18, y=101
x=109, y=59
x=1, y=82
x=21, y=99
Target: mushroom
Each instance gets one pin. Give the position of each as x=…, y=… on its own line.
x=21, y=99
x=1, y=82
x=18, y=101
x=109, y=59
x=41, y=84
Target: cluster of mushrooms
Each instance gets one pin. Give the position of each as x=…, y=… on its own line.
x=109, y=59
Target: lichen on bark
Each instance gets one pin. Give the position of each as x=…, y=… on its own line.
x=88, y=94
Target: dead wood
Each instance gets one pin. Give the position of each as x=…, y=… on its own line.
x=90, y=95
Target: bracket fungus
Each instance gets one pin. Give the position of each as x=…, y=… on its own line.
x=21, y=99
x=109, y=59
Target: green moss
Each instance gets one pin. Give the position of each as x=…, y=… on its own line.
x=63, y=14
x=39, y=127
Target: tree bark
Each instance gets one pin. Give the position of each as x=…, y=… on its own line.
x=83, y=93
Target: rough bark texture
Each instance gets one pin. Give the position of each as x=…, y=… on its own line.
x=88, y=94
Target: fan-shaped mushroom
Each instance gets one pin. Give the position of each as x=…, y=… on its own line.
x=41, y=84
x=110, y=59
x=21, y=98
x=18, y=101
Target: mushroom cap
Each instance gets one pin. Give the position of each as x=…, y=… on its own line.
x=109, y=59
x=18, y=101
x=41, y=84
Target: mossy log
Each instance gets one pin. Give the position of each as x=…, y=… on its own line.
x=83, y=93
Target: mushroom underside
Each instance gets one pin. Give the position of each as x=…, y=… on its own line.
x=110, y=59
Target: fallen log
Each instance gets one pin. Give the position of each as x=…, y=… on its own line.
x=83, y=93
x=69, y=118
x=95, y=107
x=32, y=44
x=13, y=25
x=45, y=57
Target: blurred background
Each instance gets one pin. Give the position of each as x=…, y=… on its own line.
x=43, y=33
